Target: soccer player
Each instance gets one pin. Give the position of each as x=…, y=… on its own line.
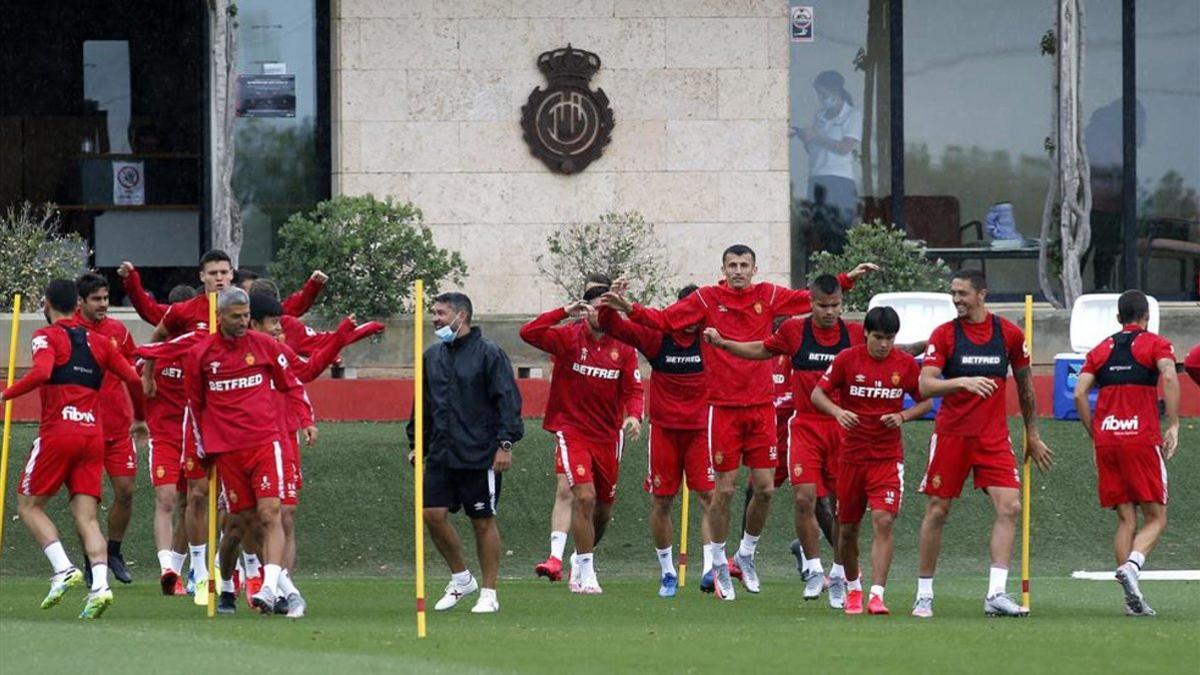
x=595, y=402
x=472, y=416
x=870, y=382
x=677, y=447
x=967, y=363
x=741, y=417
x=69, y=365
x=121, y=416
x=303, y=340
x=1131, y=449
x=813, y=441
x=228, y=377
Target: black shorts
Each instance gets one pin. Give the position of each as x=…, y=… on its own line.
x=476, y=491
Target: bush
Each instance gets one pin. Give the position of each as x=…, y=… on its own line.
x=372, y=251
x=902, y=262
x=33, y=250
x=619, y=245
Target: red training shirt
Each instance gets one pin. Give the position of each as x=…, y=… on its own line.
x=781, y=377
x=746, y=315
x=1128, y=412
x=595, y=383
x=229, y=390
x=70, y=408
x=165, y=410
x=787, y=342
x=1192, y=364
x=120, y=403
x=871, y=389
x=963, y=413
x=677, y=400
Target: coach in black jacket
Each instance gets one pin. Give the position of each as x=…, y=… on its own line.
x=472, y=418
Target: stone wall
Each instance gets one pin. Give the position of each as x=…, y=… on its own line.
x=427, y=105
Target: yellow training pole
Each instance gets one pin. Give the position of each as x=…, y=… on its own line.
x=12, y=367
x=212, y=493
x=683, y=537
x=419, y=437
x=1028, y=473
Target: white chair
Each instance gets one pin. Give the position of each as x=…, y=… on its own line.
x=919, y=313
x=1093, y=318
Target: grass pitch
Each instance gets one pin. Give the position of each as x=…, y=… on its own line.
x=355, y=568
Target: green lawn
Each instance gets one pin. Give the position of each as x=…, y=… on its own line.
x=356, y=567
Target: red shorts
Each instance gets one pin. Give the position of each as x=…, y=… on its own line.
x=952, y=457
x=194, y=467
x=165, y=460
x=590, y=462
x=879, y=485
x=675, y=453
x=291, y=470
x=742, y=435
x=251, y=474
x=1131, y=474
x=782, y=415
x=812, y=452
x=120, y=457
x=54, y=460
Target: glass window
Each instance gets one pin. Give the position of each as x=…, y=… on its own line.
x=1168, y=159
x=1103, y=134
x=840, y=123
x=276, y=171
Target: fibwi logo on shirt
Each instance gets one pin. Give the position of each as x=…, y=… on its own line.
x=1114, y=423
x=72, y=414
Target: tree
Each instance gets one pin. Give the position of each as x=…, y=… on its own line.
x=226, y=212
x=903, y=264
x=34, y=250
x=1069, y=199
x=618, y=245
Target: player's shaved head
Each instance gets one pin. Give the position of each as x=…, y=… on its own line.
x=1133, y=307
x=826, y=296
x=62, y=295
x=825, y=283
x=739, y=250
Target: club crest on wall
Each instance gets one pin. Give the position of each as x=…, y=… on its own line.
x=567, y=124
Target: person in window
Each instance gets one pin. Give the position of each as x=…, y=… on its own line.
x=830, y=142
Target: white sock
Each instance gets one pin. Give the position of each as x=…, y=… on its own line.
x=924, y=587
x=749, y=545
x=855, y=584
x=558, y=544
x=199, y=562
x=877, y=590
x=583, y=561
x=1137, y=558
x=99, y=576
x=462, y=578
x=252, y=565
x=57, y=556
x=708, y=558
x=718, y=554
x=666, y=560
x=488, y=594
x=227, y=586
x=177, y=560
x=836, y=570
x=271, y=577
x=286, y=587
x=164, y=561
x=814, y=565
x=997, y=581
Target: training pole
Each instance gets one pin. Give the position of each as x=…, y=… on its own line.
x=212, y=492
x=419, y=456
x=12, y=367
x=1028, y=473
x=683, y=537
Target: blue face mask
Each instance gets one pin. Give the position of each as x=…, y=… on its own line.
x=447, y=333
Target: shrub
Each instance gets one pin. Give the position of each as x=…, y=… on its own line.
x=372, y=251
x=902, y=262
x=619, y=245
x=34, y=250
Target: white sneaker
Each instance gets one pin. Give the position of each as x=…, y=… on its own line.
x=722, y=584
x=486, y=604
x=454, y=593
x=837, y=592
x=749, y=572
x=573, y=580
x=814, y=583
x=1135, y=603
x=589, y=586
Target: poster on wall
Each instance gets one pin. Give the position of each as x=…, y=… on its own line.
x=802, y=24
x=129, y=183
x=266, y=96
